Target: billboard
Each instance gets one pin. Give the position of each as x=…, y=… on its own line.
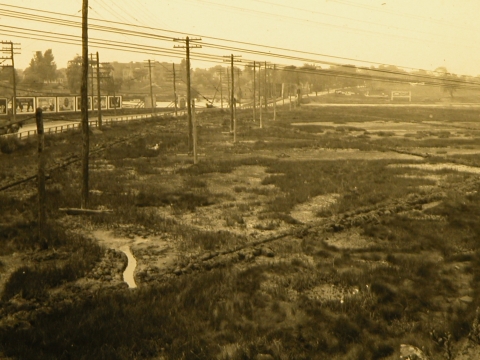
x=65, y=103
x=114, y=102
x=25, y=105
x=47, y=103
x=79, y=103
x=103, y=102
x=3, y=106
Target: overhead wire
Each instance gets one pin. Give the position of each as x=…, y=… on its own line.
x=234, y=41
x=222, y=47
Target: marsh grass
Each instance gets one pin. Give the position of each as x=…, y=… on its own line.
x=34, y=281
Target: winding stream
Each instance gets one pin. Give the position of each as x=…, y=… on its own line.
x=129, y=271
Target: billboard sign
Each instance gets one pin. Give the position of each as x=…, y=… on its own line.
x=79, y=103
x=47, y=103
x=114, y=102
x=3, y=106
x=402, y=94
x=65, y=103
x=25, y=105
x=103, y=102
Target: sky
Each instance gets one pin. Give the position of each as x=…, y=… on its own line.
x=412, y=34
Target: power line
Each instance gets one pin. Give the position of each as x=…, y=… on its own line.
x=226, y=40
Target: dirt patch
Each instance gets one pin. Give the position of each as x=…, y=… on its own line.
x=307, y=212
x=439, y=167
x=351, y=239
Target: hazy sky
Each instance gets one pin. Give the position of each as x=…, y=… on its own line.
x=422, y=34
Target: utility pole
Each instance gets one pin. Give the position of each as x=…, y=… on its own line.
x=11, y=51
x=195, y=154
x=187, y=46
x=40, y=175
x=220, y=72
x=254, y=92
x=91, y=77
x=84, y=106
x=175, y=89
x=274, y=95
x=260, y=96
x=265, y=88
x=154, y=105
x=99, y=103
x=232, y=94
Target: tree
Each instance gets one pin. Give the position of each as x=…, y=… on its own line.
x=74, y=74
x=109, y=82
x=42, y=69
x=448, y=81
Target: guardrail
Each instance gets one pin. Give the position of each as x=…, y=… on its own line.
x=92, y=123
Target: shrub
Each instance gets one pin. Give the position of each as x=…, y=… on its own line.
x=9, y=144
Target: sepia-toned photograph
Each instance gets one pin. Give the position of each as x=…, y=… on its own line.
x=251, y=180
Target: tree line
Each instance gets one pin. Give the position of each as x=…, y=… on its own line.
x=133, y=78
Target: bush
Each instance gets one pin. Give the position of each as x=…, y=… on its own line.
x=9, y=144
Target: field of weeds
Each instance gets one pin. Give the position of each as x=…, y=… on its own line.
x=339, y=233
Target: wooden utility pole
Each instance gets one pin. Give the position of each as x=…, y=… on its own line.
x=91, y=77
x=274, y=95
x=84, y=106
x=232, y=93
x=41, y=175
x=194, y=121
x=220, y=72
x=187, y=46
x=154, y=105
x=254, y=91
x=14, y=82
x=260, y=96
x=228, y=89
x=99, y=103
x=174, y=89
x=232, y=99
x=265, y=88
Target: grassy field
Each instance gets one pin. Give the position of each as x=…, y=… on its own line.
x=331, y=233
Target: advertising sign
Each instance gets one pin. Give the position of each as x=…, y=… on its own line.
x=47, y=104
x=25, y=105
x=79, y=103
x=3, y=106
x=114, y=102
x=103, y=102
x=65, y=103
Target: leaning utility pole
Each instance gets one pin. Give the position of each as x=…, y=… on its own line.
x=84, y=106
x=154, y=105
x=187, y=46
x=99, y=103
